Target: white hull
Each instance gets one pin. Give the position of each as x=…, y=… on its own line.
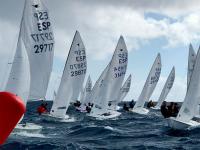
x=155, y=108
x=28, y=127
x=142, y=111
x=67, y=118
x=105, y=115
x=180, y=125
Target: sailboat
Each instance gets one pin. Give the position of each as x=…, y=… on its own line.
x=111, y=83
x=71, y=81
x=85, y=93
x=36, y=37
x=149, y=87
x=166, y=89
x=190, y=105
x=122, y=94
x=93, y=98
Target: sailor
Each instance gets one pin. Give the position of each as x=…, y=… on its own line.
x=88, y=109
x=125, y=107
x=164, y=110
x=77, y=103
x=174, y=109
x=150, y=104
x=131, y=104
x=42, y=108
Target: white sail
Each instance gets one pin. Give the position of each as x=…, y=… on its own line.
x=84, y=98
x=114, y=76
x=93, y=98
x=124, y=89
x=19, y=77
x=38, y=38
x=191, y=63
x=72, y=77
x=150, y=83
x=167, y=87
x=54, y=95
x=190, y=105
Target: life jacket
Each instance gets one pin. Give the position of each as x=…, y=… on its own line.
x=41, y=110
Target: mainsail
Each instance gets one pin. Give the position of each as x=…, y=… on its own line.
x=72, y=77
x=167, y=87
x=190, y=105
x=84, y=98
x=150, y=83
x=191, y=63
x=114, y=75
x=37, y=35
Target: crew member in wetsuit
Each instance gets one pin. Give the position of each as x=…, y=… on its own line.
x=42, y=108
x=164, y=110
x=150, y=104
x=131, y=104
x=88, y=109
x=174, y=110
x=77, y=103
x=125, y=107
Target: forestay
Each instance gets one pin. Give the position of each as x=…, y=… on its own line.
x=39, y=42
x=191, y=63
x=167, y=87
x=150, y=83
x=84, y=98
x=72, y=77
x=192, y=98
x=115, y=75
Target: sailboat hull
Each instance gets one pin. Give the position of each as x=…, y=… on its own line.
x=181, y=125
x=67, y=118
x=155, y=108
x=142, y=111
x=103, y=116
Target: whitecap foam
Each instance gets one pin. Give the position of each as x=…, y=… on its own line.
x=27, y=134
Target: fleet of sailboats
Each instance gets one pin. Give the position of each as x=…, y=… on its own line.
x=32, y=67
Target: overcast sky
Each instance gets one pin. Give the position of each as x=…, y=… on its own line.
x=148, y=27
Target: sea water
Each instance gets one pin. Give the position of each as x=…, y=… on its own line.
x=129, y=131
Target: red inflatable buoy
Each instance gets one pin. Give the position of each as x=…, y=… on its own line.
x=11, y=110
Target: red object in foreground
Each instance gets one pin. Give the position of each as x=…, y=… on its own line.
x=41, y=110
x=11, y=110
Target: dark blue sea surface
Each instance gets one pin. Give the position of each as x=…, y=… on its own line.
x=129, y=131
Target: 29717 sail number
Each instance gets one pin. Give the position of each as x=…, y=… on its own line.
x=43, y=47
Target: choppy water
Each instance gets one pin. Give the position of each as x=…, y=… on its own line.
x=129, y=131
